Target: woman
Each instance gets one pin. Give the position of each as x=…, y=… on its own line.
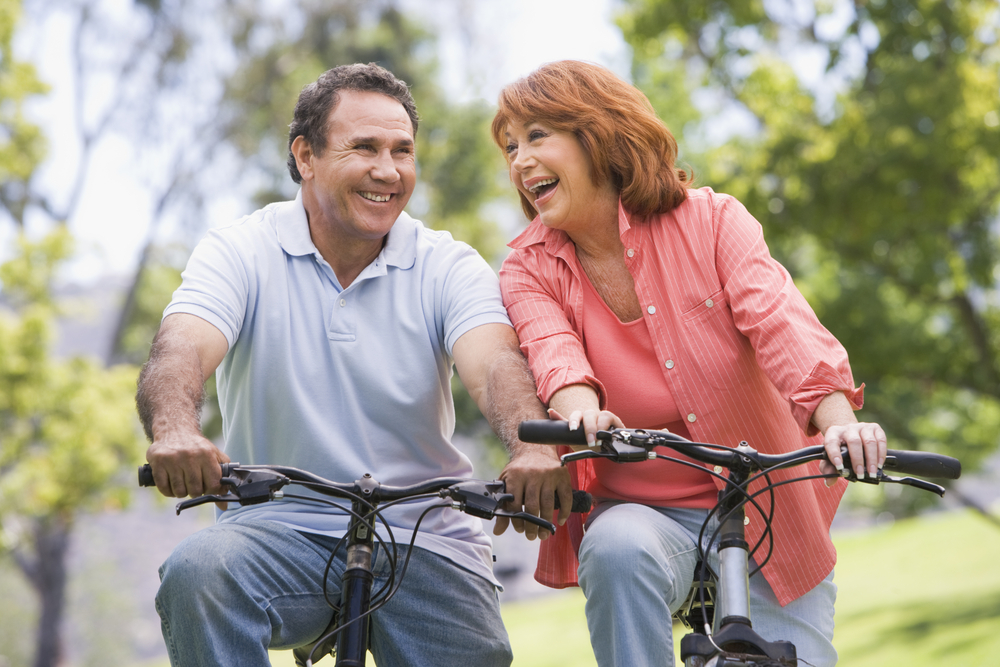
x=639, y=300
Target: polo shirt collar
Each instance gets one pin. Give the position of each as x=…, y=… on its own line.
x=293, y=235
x=293, y=229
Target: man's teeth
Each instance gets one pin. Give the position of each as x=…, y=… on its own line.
x=375, y=197
x=541, y=184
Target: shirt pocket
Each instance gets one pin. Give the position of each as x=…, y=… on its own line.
x=722, y=354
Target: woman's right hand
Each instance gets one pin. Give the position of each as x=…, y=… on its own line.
x=592, y=421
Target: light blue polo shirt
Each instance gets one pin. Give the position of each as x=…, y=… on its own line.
x=343, y=382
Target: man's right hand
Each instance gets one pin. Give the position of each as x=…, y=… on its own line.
x=186, y=466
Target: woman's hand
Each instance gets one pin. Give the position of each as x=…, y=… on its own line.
x=866, y=441
x=866, y=445
x=591, y=420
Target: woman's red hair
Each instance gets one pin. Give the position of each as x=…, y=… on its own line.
x=615, y=124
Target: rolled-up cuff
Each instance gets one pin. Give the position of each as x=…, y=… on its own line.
x=558, y=378
x=822, y=381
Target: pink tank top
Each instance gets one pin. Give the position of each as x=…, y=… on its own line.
x=623, y=359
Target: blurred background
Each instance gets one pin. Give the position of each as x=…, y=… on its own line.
x=864, y=135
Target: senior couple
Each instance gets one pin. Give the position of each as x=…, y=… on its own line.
x=632, y=298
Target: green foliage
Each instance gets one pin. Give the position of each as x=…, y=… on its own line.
x=22, y=145
x=157, y=283
x=882, y=200
x=67, y=426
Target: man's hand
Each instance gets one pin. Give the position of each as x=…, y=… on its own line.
x=534, y=476
x=186, y=466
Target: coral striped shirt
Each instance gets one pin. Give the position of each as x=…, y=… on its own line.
x=743, y=355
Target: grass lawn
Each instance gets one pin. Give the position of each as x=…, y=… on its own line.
x=921, y=592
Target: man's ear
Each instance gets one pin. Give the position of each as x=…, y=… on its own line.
x=303, y=157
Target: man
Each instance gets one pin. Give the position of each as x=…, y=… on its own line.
x=332, y=322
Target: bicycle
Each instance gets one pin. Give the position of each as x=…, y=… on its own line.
x=717, y=609
x=346, y=637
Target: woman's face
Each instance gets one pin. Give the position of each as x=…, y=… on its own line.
x=551, y=169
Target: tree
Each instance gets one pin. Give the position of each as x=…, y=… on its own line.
x=67, y=432
x=66, y=426
x=876, y=177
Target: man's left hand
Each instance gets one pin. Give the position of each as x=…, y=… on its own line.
x=534, y=477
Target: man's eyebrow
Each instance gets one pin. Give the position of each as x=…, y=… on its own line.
x=358, y=141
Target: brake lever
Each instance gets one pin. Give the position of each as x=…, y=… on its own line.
x=247, y=487
x=477, y=498
x=921, y=484
x=201, y=500
x=617, y=447
x=530, y=518
x=881, y=477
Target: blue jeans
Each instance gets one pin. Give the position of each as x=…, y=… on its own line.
x=636, y=568
x=233, y=590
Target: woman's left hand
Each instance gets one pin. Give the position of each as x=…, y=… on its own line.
x=866, y=446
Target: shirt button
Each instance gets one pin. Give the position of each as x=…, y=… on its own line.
x=630, y=252
x=651, y=310
x=709, y=303
x=669, y=363
x=691, y=417
x=343, y=302
x=718, y=470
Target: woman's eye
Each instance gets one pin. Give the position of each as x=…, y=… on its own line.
x=511, y=148
x=535, y=134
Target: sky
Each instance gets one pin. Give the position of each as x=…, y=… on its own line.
x=506, y=39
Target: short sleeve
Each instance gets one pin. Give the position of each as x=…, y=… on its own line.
x=470, y=292
x=214, y=286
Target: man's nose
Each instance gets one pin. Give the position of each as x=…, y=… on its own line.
x=384, y=168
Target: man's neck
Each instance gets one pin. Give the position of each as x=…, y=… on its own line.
x=347, y=257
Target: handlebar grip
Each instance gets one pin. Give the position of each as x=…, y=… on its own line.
x=146, y=473
x=550, y=432
x=582, y=501
x=923, y=464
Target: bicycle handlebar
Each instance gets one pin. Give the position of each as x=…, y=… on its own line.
x=253, y=484
x=635, y=444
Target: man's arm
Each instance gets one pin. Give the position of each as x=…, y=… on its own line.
x=185, y=352
x=494, y=371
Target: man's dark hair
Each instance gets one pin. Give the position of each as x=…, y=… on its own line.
x=318, y=100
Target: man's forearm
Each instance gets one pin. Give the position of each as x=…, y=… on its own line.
x=511, y=397
x=170, y=388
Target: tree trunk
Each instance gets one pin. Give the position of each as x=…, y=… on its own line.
x=46, y=570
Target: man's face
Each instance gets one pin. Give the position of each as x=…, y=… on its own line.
x=364, y=178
